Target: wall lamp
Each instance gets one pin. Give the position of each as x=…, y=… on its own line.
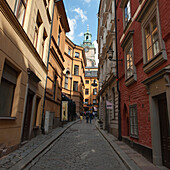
x=110, y=53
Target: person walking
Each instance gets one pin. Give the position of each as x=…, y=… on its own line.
x=87, y=117
x=91, y=117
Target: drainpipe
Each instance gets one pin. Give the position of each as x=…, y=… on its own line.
x=71, y=72
x=117, y=75
x=42, y=121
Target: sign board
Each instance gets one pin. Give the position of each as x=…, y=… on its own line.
x=64, y=113
x=108, y=105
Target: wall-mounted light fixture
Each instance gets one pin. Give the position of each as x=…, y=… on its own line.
x=110, y=53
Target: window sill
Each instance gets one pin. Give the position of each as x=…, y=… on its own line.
x=8, y=118
x=154, y=62
x=127, y=26
x=132, y=79
x=134, y=136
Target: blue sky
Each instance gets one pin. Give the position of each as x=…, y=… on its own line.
x=81, y=13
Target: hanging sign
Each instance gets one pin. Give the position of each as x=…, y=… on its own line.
x=108, y=105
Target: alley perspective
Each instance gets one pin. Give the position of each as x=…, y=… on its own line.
x=85, y=84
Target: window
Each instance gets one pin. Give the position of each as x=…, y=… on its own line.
x=7, y=89
x=86, y=101
x=95, y=91
x=87, y=81
x=129, y=62
x=133, y=120
x=76, y=70
x=54, y=86
x=59, y=34
x=77, y=55
x=127, y=13
x=75, y=86
x=36, y=33
x=66, y=79
x=95, y=81
x=86, y=91
x=69, y=51
x=94, y=101
x=151, y=38
x=20, y=8
x=43, y=41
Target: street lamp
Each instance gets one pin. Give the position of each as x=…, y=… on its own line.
x=110, y=53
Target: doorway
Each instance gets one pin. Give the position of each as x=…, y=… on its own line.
x=164, y=129
x=27, y=118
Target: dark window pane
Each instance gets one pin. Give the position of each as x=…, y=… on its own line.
x=6, y=97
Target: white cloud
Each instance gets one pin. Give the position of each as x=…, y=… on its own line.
x=81, y=34
x=80, y=13
x=96, y=55
x=72, y=24
x=87, y=1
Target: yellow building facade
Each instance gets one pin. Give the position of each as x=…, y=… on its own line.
x=53, y=97
x=73, y=81
x=24, y=39
x=91, y=89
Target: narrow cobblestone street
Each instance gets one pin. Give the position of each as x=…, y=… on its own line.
x=80, y=147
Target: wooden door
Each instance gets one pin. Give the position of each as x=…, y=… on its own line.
x=27, y=118
x=164, y=129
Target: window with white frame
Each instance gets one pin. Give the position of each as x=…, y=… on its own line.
x=151, y=38
x=54, y=86
x=7, y=90
x=133, y=120
x=127, y=13
x=129, y=62
x=20, y=8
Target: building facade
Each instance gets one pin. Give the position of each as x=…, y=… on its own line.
x=107, y=69
x=24, y=31
x=53, y=98
x=73, y=81
x=143, y=45
x=91, y=89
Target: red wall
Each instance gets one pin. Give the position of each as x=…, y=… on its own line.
x=136, y=93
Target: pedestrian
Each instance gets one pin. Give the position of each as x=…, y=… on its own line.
x=81, y=117
x=87, y=117
x=91, y=117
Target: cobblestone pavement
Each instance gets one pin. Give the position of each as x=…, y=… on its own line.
x=80, y=147
x=11, y=159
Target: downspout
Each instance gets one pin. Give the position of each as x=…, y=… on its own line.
x=117, y=75
x=71, y=72
x=42, y=121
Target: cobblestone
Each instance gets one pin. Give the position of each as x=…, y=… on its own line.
x=80, y=147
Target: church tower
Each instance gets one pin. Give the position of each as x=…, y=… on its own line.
x=89, y=48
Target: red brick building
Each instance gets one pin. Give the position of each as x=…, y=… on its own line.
x=143, y=34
